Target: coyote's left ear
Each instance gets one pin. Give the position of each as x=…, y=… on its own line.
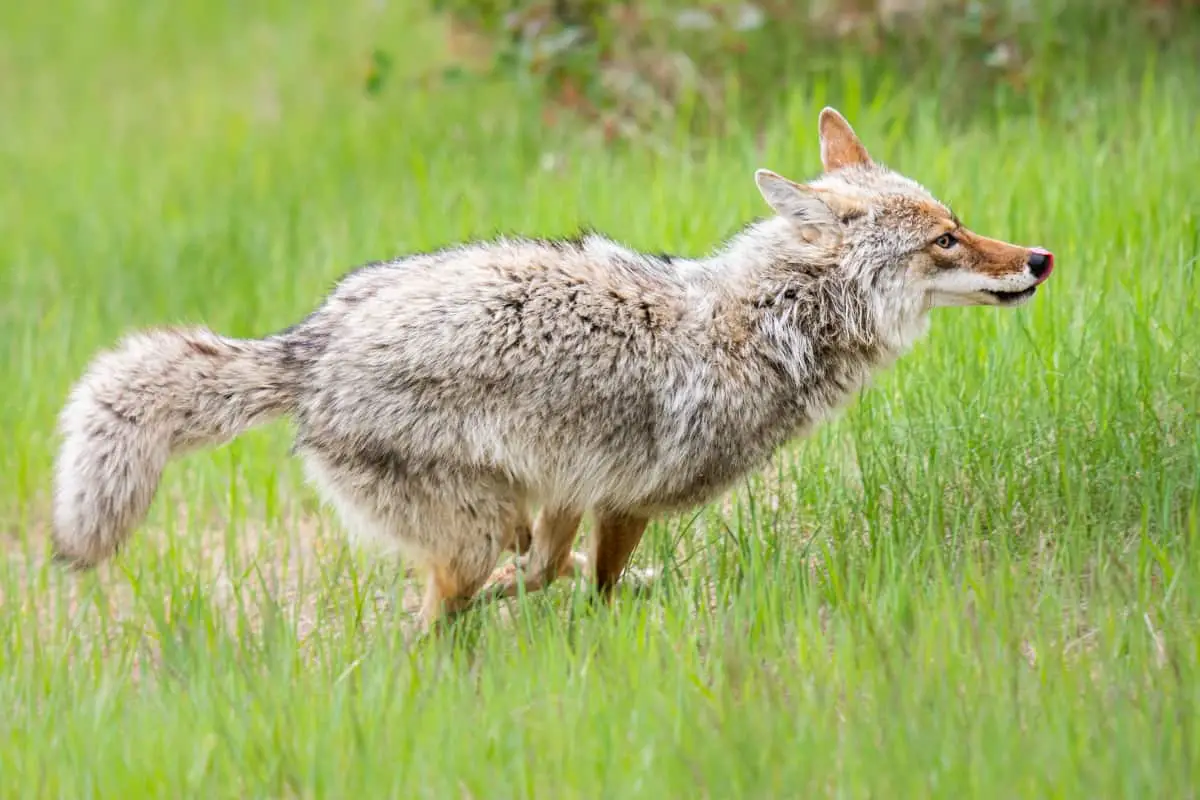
x=802, y=204
x=840, y=147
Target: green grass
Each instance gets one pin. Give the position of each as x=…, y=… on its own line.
x=983, y=580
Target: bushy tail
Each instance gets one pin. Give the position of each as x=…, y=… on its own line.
x=158, y=393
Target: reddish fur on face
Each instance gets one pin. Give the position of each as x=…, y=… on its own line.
x=980, y=254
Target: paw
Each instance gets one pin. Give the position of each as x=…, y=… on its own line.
x=504, y=576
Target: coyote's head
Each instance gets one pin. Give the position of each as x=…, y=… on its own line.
x=896, y=234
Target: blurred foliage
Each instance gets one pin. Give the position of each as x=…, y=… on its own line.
x=633, y=67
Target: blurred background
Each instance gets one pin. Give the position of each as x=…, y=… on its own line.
x=632, y=67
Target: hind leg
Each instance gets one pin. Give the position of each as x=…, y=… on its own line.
x=449, y=590
x=452, y=525
x=453, y=586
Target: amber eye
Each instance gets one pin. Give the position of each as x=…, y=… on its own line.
x=945, y=241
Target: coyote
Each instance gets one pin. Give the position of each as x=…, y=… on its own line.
x=439, y=397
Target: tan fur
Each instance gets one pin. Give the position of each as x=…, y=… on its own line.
x=439, y=397
x=617, y=535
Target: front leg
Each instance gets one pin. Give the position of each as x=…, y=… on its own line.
x=616, y=537
x=550, y=556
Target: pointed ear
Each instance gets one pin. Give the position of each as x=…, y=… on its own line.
x=803, y=205
x=840, y=147
x=792, y=200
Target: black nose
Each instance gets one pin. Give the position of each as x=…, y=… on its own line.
x=1040, y=263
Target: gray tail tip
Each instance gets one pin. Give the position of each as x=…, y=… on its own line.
x=63, y=558
x=71, y=563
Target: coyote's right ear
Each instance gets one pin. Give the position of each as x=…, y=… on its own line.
x=840, y=146
x=803, y=205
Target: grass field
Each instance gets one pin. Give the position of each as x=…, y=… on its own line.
x=983, y=580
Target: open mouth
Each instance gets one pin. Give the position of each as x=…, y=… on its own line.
x=1011, y=298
